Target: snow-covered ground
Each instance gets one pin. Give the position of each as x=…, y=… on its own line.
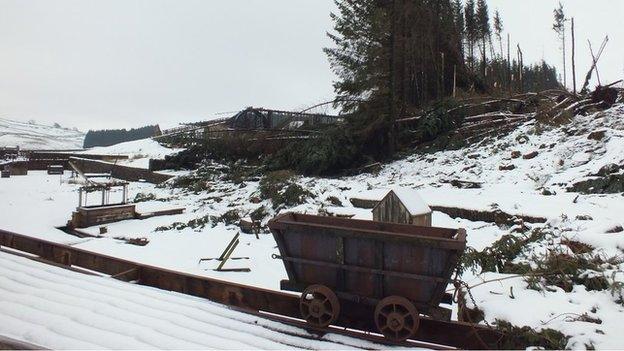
x=60, y=309
x=138, y=151
x=555, y=159
x=39, y=137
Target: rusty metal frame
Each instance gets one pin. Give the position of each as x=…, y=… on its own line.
x=355, y=316
x=360, y=269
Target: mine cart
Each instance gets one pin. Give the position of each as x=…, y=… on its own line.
x=401, y=269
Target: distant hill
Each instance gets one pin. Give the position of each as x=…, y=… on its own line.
x=30, y=135
x=110, y=137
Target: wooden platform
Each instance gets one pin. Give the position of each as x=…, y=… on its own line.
x=85, y=217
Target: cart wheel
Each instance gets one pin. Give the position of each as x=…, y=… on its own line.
x=319, y=306
x=397, y=318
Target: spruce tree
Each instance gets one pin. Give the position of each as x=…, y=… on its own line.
x=471, y=29
x=559, y=28
x=361, y=37
x=483, y=31
x=498, y=30
x=460, y=23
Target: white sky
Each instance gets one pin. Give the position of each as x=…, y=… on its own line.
x=127, y=63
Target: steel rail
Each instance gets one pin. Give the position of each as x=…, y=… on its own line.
x=277, y=305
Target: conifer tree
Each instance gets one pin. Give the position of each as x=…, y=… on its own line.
x=360, y=38
x=471, y=29
x=460, y=23
x=498, y=30
x=559, y=28
x=483, y=31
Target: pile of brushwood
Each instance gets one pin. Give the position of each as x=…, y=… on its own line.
x=447, y=124
x=367, y=138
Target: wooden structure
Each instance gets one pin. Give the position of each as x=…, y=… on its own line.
x=18, y=168
x=56, y=169
x=402, y=205
x=9, y=153
x=5, y=173
x=260, y=118
x=88, y=216
x=107, y=212
x=393, y=267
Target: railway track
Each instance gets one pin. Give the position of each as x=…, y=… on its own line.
x=355, y=322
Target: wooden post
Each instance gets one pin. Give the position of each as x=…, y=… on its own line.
x=573, y=60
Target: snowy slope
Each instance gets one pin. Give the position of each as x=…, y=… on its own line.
x=38, y=137
x=60, y=309
x=556, y=158
x=138, y=151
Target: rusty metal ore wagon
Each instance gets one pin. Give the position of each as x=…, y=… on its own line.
x=400, y=269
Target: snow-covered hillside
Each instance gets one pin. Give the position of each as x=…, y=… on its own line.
x=38, y=136
x=565, y=274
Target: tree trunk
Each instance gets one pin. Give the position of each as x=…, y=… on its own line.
x=509, y=82
x=392, y=110
x=565, y=74
x=484, y=63
x=573, y=59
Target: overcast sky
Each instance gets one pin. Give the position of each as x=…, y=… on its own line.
x=127, y=63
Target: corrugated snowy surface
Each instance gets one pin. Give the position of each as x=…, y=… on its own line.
x=61, y=309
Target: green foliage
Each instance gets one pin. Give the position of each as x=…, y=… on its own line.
x=438, y=120
x=565, y=271
x=370, y=65
x=235, y=172
x=174, y=225
x=326, y=154
x=230, y=217
x=279, y=188
x=541, y=271
x=500, y=255
x=259, y=214
x=334, y=201
x=142, y=197
x=522, y=337
x=292, y=196
x=201, y=222
x=240, y=171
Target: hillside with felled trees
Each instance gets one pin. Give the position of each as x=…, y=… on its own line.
x=413, y=71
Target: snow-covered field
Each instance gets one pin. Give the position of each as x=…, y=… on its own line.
x=555, y=159
x=39, y=137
